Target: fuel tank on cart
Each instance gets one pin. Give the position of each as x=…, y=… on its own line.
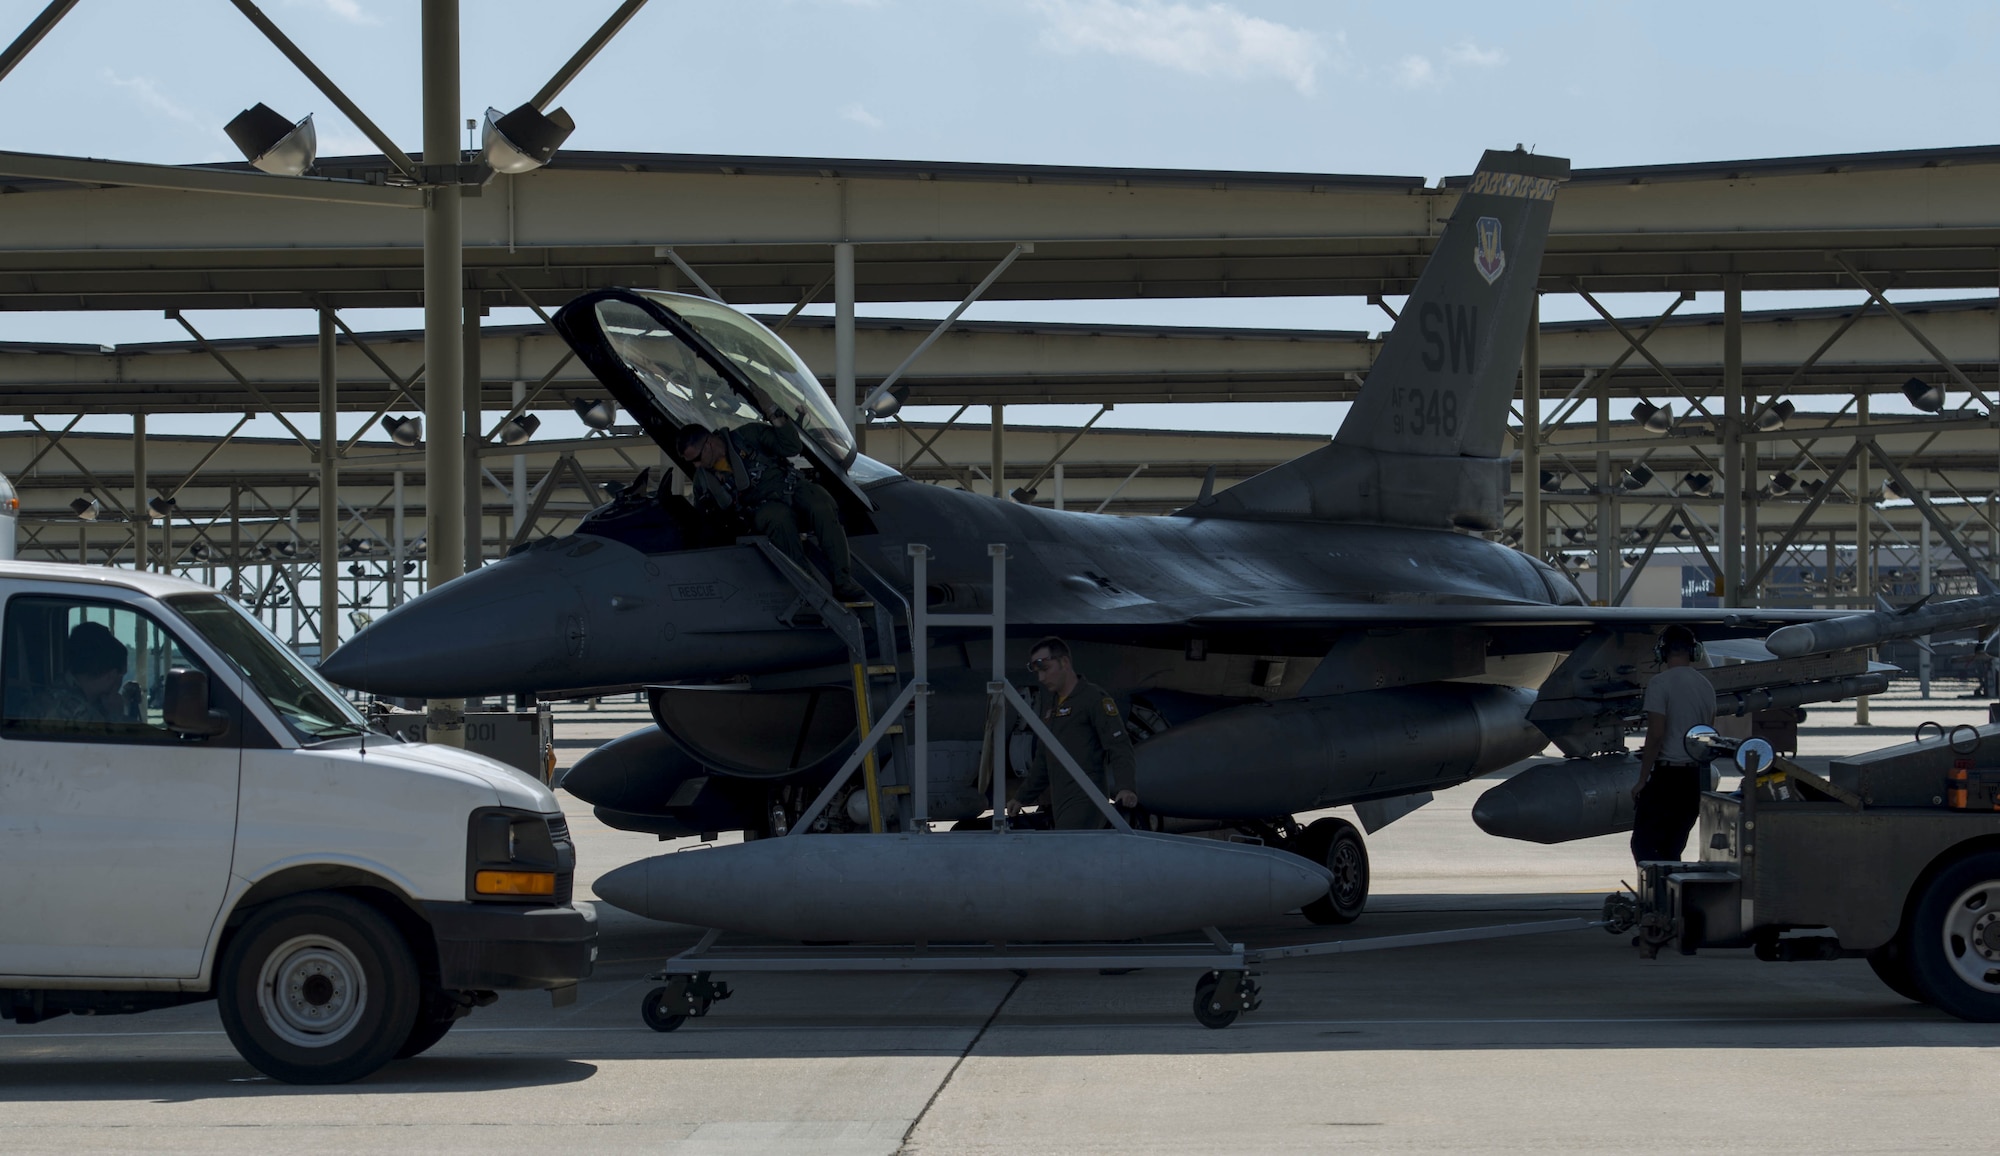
x=1043, y=885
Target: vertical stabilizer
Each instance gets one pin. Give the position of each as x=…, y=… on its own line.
x=1425, y=440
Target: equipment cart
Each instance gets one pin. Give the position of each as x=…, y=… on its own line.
x=1893, y=856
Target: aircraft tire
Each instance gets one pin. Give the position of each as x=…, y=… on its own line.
x=1335, y=844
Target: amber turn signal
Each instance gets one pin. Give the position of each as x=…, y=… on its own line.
x=514, y=883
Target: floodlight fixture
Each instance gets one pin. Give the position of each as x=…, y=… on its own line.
x=519, y=430
x=1895, y=489
x=883, y=406
x=272, y=143
x=523, y=140
x=163, y=507
x=597, y=412
x=361, y=546
x=360, y=619
x=1680, y=531
x=1655, y=418
x=1775, y=416
x=357, y=570
x=1023, y=495
x=407, y=432
x=1552, y=481
x=1636, y=477
x=85, y=509
x=198, y=551
x=1925, y=395
x=1575, y=533
x=1699, y=484
x=1782, y=482
x=288, y=550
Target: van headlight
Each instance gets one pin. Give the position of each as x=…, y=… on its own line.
x=518, y=855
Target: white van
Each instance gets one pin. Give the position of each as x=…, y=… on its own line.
x=188, y=812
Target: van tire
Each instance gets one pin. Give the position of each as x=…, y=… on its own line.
x=318, y=988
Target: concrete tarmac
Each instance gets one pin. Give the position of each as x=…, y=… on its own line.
x=1563, y=1042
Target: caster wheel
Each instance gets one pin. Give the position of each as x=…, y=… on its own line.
x=654, y=1012
x=1207, y=1011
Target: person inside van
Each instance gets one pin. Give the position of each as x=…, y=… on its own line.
x=93, y=689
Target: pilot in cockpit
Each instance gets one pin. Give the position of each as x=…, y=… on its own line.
x=748, y=471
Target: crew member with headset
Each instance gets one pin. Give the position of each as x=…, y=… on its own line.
x=1085, y=720
x=748, y=470
x=1667, y=796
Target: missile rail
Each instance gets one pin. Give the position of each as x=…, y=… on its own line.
x=1226, y=989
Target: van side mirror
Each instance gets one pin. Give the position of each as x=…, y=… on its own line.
x=184, y=705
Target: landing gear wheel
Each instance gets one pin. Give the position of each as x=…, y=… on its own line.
x=1207, y=1010
x=1954, y=939
x=1891, y=964
x=1336, y=844
x=318, y=988
x=655, y=1013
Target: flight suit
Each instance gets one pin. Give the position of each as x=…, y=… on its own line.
x=1089, y=727
x=757, y=479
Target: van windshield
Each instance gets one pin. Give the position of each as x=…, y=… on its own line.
x=311, y=708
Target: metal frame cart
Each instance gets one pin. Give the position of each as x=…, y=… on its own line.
x=1227, y=986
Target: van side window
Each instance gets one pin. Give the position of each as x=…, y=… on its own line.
x=79, y=669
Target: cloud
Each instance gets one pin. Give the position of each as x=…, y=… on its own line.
x=861, y=116
x=150, y=96
x=1418, y=71
x=1466, y=53
x=1206, y=40
x=1415, y=71
x=348, y=10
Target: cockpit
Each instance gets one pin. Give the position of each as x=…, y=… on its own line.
x=675, y=361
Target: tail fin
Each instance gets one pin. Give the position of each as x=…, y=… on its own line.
x=1423, y=444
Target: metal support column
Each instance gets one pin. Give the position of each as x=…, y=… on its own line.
x=1607, y=497
x=398, y=545
x=444, y=385
x=1864, y=551
x=1534, y=530
x=236, y=542
x=141, y=512
x=1734, y=497
x=1924, y=591
x=519, y=481
x=1059, y=488
x=475, y=488
x=999, y=450
x=844, y=398
x=329, y=491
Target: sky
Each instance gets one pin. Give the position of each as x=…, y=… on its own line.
x=1295, y=85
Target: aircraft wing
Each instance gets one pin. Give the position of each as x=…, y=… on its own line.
x=1723, y=621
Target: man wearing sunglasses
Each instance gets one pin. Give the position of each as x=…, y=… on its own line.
x=1085, y=720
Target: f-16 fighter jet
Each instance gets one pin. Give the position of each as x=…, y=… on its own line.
x=1336, y=630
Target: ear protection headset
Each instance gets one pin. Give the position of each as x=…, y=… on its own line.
x=1678, y=638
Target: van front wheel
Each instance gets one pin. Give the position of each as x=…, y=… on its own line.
x=318, y=988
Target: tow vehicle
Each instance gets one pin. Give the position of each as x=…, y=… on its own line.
x=1892, y=856
x=188, y=812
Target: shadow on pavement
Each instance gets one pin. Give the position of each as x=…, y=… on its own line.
x=173, y=1081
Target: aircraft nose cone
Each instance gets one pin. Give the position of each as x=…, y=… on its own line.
x=511, y=626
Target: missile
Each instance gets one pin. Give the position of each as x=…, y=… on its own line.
x=1872, y=629
x=1556, y=802
x=977, y=886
